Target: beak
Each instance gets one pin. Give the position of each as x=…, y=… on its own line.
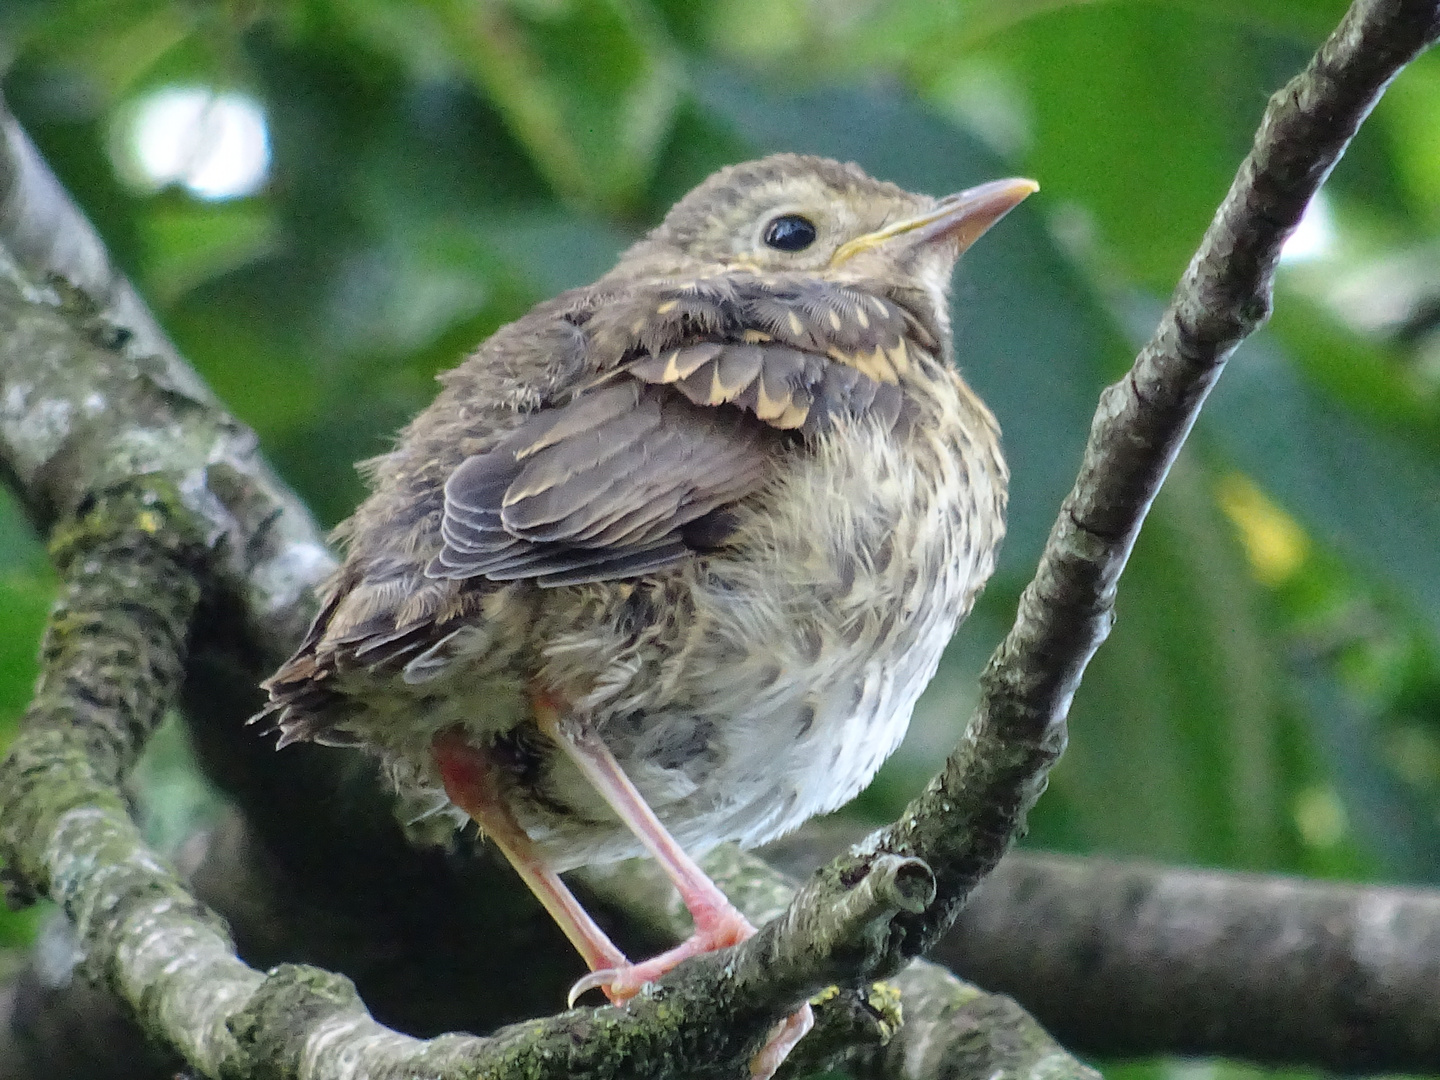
x=960, y=219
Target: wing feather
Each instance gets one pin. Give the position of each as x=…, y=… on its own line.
x=602, y=494
x=653, y=409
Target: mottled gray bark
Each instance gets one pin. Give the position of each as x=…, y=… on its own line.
x=79, y=416
x=1118, y=959
x=179, y=502
x=1126, y=960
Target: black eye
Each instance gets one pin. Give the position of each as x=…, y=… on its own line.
x=790, y=232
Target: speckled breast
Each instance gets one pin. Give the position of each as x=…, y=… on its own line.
x=803, y=647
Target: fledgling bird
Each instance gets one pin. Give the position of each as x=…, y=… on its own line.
x=669, y=559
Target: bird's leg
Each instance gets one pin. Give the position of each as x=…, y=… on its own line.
x=718, y=923
x=469, y=779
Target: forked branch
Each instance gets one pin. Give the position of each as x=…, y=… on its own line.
x=173, y=501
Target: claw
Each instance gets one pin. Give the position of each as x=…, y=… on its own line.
x=596, y=980
x=623, y=982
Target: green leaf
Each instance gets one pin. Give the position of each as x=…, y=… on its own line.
x=188, y=243
x=25, y=598
x=927, y=37
x=589, y=87
x=1369, y=378
x=1397, y=825
x=1367, y=493
x=1410, y=111
x=554, y=252
x=116, y=42
x=27, y=587
x=1141, y=113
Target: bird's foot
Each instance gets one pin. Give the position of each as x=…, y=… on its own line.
x=782, y=1040
x=718, y=923
x=623, y=982
x=720, y=930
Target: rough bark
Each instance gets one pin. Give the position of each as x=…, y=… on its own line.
x=173, y=500
x=79, y=416
x=1118, y=959
x=1125, y=959
x=942, y=1014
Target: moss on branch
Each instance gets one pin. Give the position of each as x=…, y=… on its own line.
x=112, y=658
x=108, y=429
x=922, y=1022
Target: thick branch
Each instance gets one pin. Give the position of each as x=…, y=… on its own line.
x=111, y=664
x=1125, y=959
x=74, y=424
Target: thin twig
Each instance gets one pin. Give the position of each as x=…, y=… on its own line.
x=969, y=814
x=860, y=918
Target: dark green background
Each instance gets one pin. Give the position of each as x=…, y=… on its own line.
x=438, y=167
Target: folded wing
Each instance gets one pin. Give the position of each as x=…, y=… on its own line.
x=601, y=488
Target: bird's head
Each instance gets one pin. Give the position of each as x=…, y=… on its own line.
x=795, y=213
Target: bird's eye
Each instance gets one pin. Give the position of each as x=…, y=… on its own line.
x=789, y=232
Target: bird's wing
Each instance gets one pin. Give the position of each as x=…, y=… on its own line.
x=697, y=383
x=646, y=415
x=601, y=488
x=833, y=327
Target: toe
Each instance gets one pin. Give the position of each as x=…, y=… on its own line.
x=782, y=1040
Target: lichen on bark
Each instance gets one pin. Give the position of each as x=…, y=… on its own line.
x=108, y=429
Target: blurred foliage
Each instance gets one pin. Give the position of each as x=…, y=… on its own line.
x=1270, y=698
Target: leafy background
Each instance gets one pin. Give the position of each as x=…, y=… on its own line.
x=1270, y=698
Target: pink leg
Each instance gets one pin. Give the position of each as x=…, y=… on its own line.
x=718, y=923
x=468, y=776
x=469, y=782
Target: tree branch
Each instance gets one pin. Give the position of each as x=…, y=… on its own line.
x=191, y=493
x=1126, y=959
x=1130, y=959
x=127, y=404
x=969, y=814
x=941, y=1013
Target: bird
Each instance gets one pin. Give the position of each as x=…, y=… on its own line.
x=670, y=558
